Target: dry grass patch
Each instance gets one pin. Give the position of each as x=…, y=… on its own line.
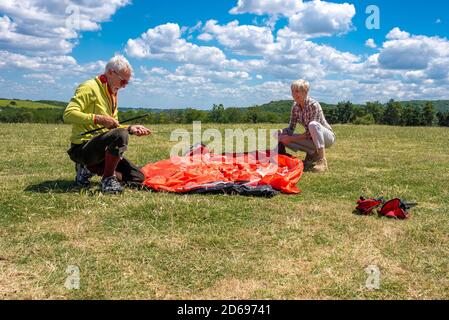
x=146, y=245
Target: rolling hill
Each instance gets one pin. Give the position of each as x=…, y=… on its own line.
x=32, y=104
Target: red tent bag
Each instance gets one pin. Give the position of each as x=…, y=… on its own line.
x=366, y=206
x=396, y=209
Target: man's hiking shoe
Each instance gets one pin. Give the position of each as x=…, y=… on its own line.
x=83, y=176
x=320, y=166
x=110, y=185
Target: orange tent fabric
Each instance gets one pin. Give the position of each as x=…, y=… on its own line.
x=201, y=168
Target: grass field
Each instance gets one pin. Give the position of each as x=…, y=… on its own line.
x=148, y=245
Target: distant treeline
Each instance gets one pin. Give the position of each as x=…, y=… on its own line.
x=421, y=113
x=27, y=115
x=393, y=113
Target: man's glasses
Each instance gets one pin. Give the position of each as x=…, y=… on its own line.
x=123, y=82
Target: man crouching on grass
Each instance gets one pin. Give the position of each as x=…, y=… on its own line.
x=94, y=106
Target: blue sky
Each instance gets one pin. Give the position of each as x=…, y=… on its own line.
x=235, y=52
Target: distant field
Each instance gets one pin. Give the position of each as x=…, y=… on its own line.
x=148, y=245
x=28, y=104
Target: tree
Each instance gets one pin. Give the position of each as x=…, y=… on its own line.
x=345, y=112
x=26, y=117
x=162, y=118
x=367, y=119
x=411, y=115
x=217, y=114
x=329, y=112
x=376, y=109
x=428, y=114
x=443, y=119
x=253, y=114
x=191, y=115
x=392, y=114
x=357, y=112
x=234, y=115
x=269, y=117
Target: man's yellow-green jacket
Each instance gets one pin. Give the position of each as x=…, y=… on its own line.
x=91, y=98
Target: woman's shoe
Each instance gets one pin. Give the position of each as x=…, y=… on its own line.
x=320, y=166
x=309, y=161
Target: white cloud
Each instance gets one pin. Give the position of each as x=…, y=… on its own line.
x=371, y=44
x=334, y=75
x=362, y=91
x=195, y=28
x=312, y=18
x=406, y=52
x=50, y=27
x=271, y=7
x=319, y=18
x=397, y=34
x=36, y=38
x=244, y=40
x=269, y=21
x=205, y=37
x=194, y=74
x=247, y=65
x=414, y=76
x=213, y=75
x=192, y=80
x=307, y=58
x=286, y=57
x=21, y=61
x=155, y=71
x=93, y=68
x=12, y=40
x=438, y=69
x=164, y=42
x=61, y=65
x=41, y=78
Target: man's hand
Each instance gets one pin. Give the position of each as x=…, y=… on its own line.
x=107, y=122
x=139, y=130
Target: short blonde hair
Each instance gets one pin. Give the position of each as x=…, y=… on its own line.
x=301, y=85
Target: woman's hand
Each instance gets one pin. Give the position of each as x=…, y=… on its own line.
x=277, y=134
x=286, y=139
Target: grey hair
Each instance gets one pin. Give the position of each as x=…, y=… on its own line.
x=301, y=85
x=118, y=63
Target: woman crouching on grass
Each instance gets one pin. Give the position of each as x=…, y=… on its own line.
x=319, y=134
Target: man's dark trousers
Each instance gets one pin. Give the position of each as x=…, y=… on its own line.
x=92, y=155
